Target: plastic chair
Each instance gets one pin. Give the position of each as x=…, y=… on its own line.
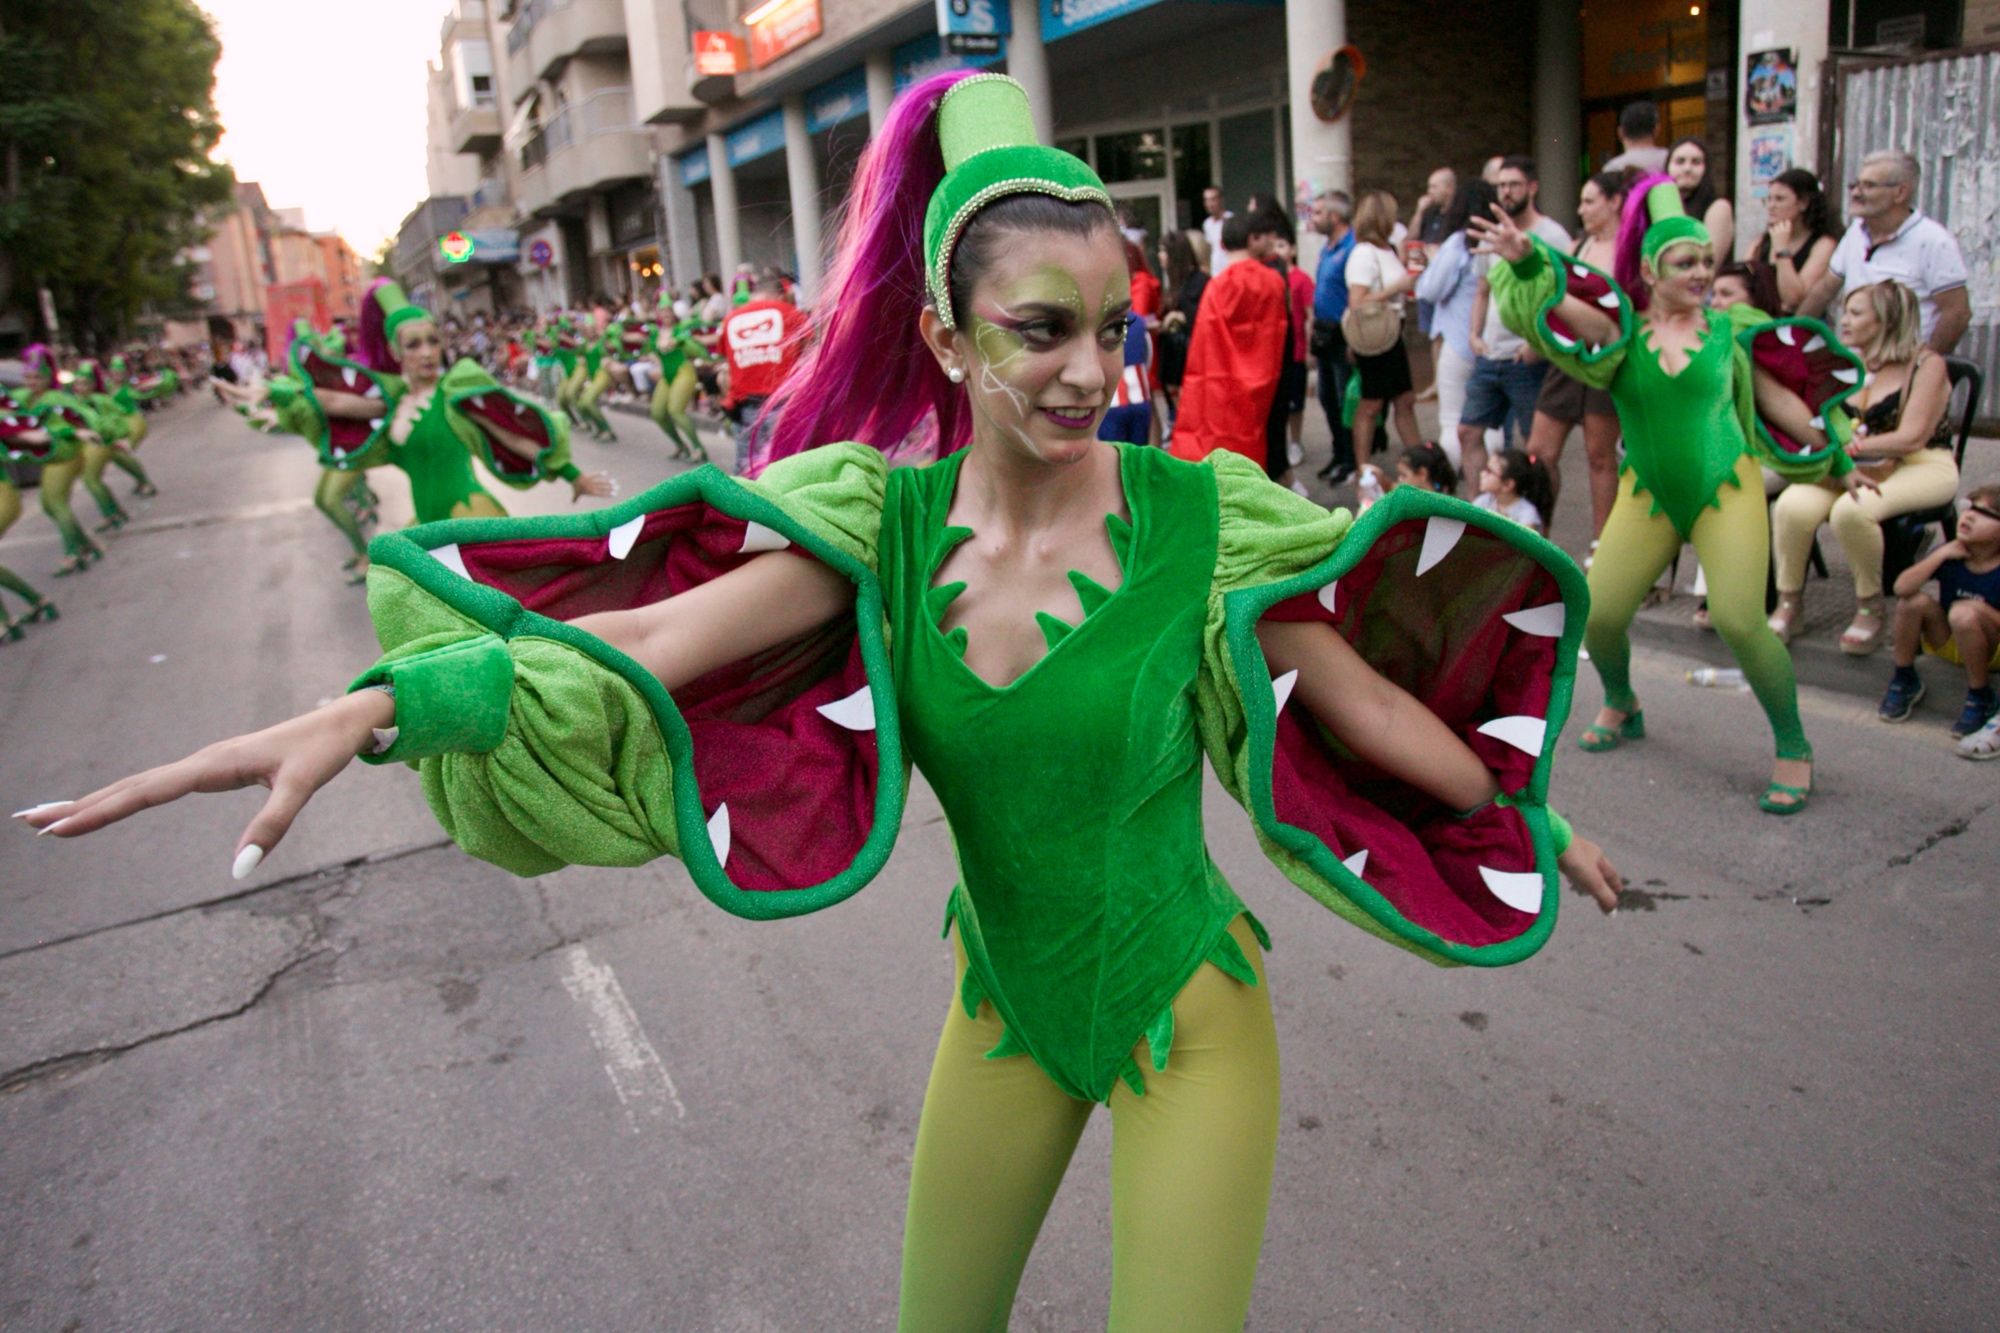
x=1903, y=536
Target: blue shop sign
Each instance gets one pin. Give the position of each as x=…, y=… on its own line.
x=837, y=100
x=694, y=166
x=756, y=138
x=921, y=57
x=1061, y=18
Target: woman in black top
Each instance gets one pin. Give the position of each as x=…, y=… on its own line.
x=1184, y=264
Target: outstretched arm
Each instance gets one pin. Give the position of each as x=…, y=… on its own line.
x=1498, y=235
x=770, y=599
x=1384, y=725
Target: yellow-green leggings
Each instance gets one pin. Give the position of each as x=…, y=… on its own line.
x=669, y=407
x=58, y=479
x=586, y=401
x=1191, y=1165
x=1734, y=545
x=10, y=509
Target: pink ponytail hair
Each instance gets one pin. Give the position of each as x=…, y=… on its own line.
x=371, y=343
x=1631, y=231
x=868, y=376
x=38, y=355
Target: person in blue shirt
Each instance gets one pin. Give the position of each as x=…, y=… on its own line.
x=1331, y=211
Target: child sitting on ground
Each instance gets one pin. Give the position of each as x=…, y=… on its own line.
x=1517, y=487
x=1424, y=465
x=1961, y=624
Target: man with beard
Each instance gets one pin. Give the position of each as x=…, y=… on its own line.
x=1506, y=372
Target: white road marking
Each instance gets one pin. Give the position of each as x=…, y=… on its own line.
x=645, y=1090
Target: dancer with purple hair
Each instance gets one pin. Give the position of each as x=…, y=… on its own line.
x=1055, y=628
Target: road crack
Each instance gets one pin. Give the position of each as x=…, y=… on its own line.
x=1945, y=833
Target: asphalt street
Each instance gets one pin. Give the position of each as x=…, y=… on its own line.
x=382, y=1086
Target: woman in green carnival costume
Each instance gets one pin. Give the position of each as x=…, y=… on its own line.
x=598, y=352
x=436, y=421
x=569, y=368
x=122, y=426
x=22, y=439
x=1055, y=629
x=348, y=446
x=674, y=352
x=64, y=426
x=1703, y=397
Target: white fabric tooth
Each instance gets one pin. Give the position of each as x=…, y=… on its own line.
x=757, y=537
x=1440, y=535
x=350, y=375
x=856, y=712
x=1281, y=690
x=1326, y=597
x=1542, y=621
x=1788, y=335
x=1520, y=890
x=1816, y=343
x=718, y=832
x=374, y=390
x=1357, y=863
x=1609, y=300
x=625, y=536
x=449, y=557
x=478, y=402
x=1579, y=270
x=1562, y=342
x=1817, y=423
x=1848, y=376
x=1521, y=731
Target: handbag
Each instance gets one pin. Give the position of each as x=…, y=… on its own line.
x=1373, y=328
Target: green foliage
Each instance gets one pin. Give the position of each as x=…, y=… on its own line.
x=107, y=118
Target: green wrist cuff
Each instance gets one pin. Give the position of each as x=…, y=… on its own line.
x=568, y=472
x=1561, y=835
x=1529, y=266
x=453, y=696
x=1842, y=463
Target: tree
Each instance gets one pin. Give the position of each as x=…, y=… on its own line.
x=107, y=119
x=383, y=263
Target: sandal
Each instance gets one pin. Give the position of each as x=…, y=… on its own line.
x=1598, y=739
x=1863, y=634
x=145, y=490
x=1784, y=621
x=1781, y=798
x=44, y=610
x=75, y=564
x=13, y=632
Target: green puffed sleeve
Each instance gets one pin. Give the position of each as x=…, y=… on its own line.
x=1528, y=292
x=1807, y=358
x=778, y=780
x=1474, y=616
x=477, y=406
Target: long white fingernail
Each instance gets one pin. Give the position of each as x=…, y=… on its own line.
x=44, y=832
x=247, y=860
x=37, y=809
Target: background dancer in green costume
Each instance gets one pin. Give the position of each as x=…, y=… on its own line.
x=347, y=446
x=16, y=425
x=1057, y=628
x=120, y=428
x=674, y=352
x=1688, y=398
x=598, y=351
x=63, y=427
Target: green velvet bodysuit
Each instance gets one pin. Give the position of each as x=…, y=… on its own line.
x=1087, y=896
x=1682, y=434
x=442, y=483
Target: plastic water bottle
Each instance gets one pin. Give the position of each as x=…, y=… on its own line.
x=1715, y=677
x=1369, y=488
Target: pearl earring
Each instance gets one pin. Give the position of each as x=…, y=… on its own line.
x=956, y=375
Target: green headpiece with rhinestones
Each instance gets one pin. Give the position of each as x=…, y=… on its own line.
x=1670, y=223
x=990, y=151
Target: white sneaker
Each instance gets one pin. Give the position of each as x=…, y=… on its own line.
x=1295, y=453
x=1983, y=743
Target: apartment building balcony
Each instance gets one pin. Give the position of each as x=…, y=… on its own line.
x=587, y=146
x=476, y=128
x=546, y=34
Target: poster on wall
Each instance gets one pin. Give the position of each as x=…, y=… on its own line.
x=1770, y=156
x=1770, y=87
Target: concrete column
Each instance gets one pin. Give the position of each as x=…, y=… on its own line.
x=802, y=175
x=1028, y=62
x=1322, y=154
x=1762, y=25
x=1558, y=107
x=880, y=72
x=683, y=235
x=728, y=223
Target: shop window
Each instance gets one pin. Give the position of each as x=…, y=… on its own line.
x=1138, y=156
x=1249, y=157
x=1193, y=171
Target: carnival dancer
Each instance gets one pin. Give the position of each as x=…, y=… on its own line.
x=1688, y=398
x=16, y=424
x=1054, y=627
x=674, y=351
x=437, y=420
x=121, y=426
x=599, y=349
x=347, y=445
x=47, y=426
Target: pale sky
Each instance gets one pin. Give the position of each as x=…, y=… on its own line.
x=324, y=105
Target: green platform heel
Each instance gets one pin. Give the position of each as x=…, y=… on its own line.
x=1598, y=739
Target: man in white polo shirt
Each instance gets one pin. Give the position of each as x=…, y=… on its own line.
x=1890, y=239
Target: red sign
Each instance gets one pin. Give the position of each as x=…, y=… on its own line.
x=719, y=53
x=782, y=26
